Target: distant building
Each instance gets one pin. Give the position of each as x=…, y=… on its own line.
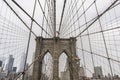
x=3, y=75
x=65, y=75
x=44, y=77
x=0, y=63
x=14, y=69
x=22, y=63
x=109, y=76
x=12, y=76
x=81, y=72
x=1, y=69
x=9, y=63
x=98, y=72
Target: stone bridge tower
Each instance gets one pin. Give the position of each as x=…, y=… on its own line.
x=56, y=46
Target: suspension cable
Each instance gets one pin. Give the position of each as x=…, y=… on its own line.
x=30, y=17
x=98, y=17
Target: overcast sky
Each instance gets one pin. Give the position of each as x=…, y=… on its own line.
x=108, y=21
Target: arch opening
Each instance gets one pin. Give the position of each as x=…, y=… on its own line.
x=64, y=71
x=47, y=67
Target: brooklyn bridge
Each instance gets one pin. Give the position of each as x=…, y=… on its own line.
x=59, y=40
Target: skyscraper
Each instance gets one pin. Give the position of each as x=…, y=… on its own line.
x=14, y=69
x=98, y=72
x=9, y=63
x=0, y=63
x=22, y=63
x=65, y=75
x=81, y=72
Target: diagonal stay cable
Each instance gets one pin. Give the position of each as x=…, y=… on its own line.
x=99, y=55
x=30, y=17
x=90, y=21
x=29, y=38
x=62, y=15
x=49, y=9
x=79, y=16
x=75, y=14
x=37, y=59
x=67, y=17
x=44, y=15
x=19, y=17
x=98, y=17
